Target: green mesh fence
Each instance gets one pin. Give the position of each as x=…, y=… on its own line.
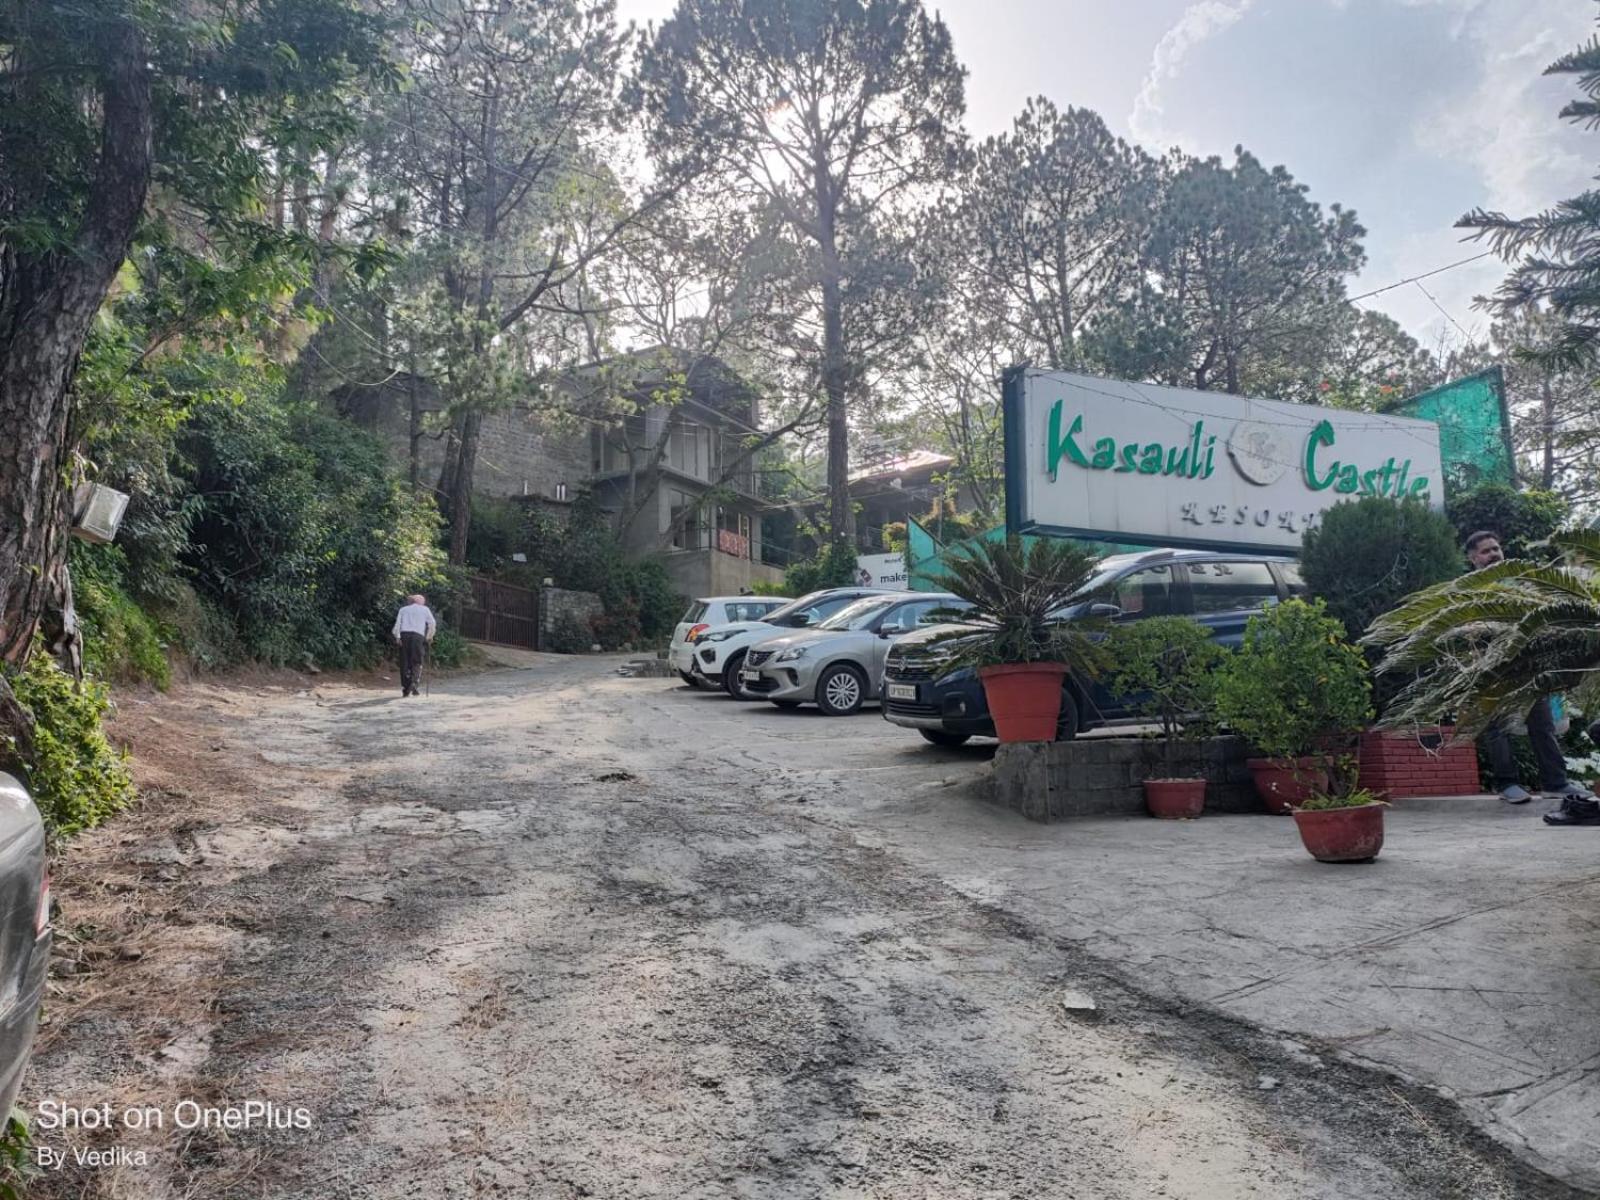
x=1474, y=428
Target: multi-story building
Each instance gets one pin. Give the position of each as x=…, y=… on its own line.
x=660, y=439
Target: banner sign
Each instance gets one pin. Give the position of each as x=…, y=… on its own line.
x=882, y=571
x=1133, y=462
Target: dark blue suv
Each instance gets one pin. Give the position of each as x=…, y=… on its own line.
x=1217, y=589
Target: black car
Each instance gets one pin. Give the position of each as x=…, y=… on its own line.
x=1218, y=590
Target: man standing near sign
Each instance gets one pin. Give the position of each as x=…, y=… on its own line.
x=414, y=628
x=1578, y=805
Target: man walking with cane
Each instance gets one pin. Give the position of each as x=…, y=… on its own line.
x=414, y=628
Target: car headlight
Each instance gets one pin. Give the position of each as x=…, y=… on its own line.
x=793, y=654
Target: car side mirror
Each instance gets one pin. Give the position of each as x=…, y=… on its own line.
x=891, y=630
x=1104, y=610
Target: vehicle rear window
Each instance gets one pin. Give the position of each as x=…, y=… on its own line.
x=749, y=610
x=1218, y=587
x=696, y=611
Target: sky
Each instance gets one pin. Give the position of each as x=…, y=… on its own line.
x=1411, y=112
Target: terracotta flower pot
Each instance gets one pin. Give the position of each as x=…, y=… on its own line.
x=1024, y=700
x=1175, y=799
x=1342, y=834
x=1283, y=783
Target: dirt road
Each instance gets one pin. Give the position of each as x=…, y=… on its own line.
x=552, y=933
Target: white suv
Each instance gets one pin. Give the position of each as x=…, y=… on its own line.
x=714, y=610
x=718, y=653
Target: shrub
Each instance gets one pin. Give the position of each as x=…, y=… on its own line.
x=449, y=648
x=1369, y=554
x=1520, y=518
x=121, y=642
x=1169, y=665
x=833, y=566
x=76, y=778
x=1294, y=683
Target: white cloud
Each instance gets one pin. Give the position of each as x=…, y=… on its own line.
x=1199, y=23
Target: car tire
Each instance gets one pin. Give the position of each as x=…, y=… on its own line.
x=1067, y=722
x=940, y=738
x=730, y=677
x=688, y=677
x=841, y=690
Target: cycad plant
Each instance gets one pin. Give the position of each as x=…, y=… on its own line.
x=1491, y=643
x=1014, y=587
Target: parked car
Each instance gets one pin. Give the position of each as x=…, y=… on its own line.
x=838, y=666
x=719, y=652
x=708, y=613
x=24, y=931
x=1219, y=590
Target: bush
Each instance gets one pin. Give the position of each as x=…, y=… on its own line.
x=1169, y=665
x=1295, y=682
x=121, y=642
x=1520, y=518
x=1369, y=554
x=833, y=566
x=449, y=648
x=76, y=778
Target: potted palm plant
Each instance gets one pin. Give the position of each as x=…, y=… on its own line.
x=1020, y=648
x=1166, y=666
x=1294, y=689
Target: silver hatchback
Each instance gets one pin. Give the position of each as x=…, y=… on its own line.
x=838, y=666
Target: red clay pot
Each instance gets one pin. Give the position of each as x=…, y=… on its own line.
x=1283, y=783
x=1342, y=834
x=1175, y=799
x=1024, y=700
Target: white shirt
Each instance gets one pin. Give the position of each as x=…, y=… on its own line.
x=414, y=618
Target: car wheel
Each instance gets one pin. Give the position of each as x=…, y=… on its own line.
x=841, y=690
x=939, y=738
x=1067, y=722
x=730, y=678
x=688, y=677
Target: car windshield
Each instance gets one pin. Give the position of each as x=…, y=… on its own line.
x=859, y=614
x=794, y=606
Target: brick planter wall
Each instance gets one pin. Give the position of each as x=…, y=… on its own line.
x=1418, y=763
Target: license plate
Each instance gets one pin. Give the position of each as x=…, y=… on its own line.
x=751, y=676
x=902, y=691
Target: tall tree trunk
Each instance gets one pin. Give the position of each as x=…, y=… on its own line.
x=1547, y=432
x=461, y=497
x=47, y=307
x=835, y=367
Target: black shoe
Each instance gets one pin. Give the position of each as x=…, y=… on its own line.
x=1575, y=811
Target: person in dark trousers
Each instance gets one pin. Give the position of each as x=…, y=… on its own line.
x=1578, y=805
x=414, y=627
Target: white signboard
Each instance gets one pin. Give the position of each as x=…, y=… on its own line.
x=1172, y=467
x=882, y=571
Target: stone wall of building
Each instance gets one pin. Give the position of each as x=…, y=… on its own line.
x=565, y=619
x=1100, y=776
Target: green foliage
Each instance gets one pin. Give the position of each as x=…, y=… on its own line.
x=1521, y=518
x=121, y=642
x=1169, y=665
x=1369, y=554
x=762, y=588
x=301, y=532
x=17, y=1165
x=1354, y=798
x=1015, y=587
x=833, y=566
x=449, y=648
x=76, y=778
x=1295, y=682
x=1489, y=644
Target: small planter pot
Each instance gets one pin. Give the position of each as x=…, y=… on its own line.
x=1342, y=834
x=1282, y=783
x=1175, y=799
x=1024, y=700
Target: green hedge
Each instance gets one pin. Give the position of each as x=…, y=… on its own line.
x=76, y=777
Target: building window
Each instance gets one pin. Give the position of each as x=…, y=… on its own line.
x=561, y=491
x=685, y=534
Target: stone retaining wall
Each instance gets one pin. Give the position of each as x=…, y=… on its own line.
x=563, y=611
x=1047, y=781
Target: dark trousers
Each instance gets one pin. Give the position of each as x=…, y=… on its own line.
x=1546, y=750
x=411, y=647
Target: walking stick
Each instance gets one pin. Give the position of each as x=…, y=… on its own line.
x=427, y=681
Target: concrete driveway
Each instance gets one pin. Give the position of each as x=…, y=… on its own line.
x=1467, y=957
